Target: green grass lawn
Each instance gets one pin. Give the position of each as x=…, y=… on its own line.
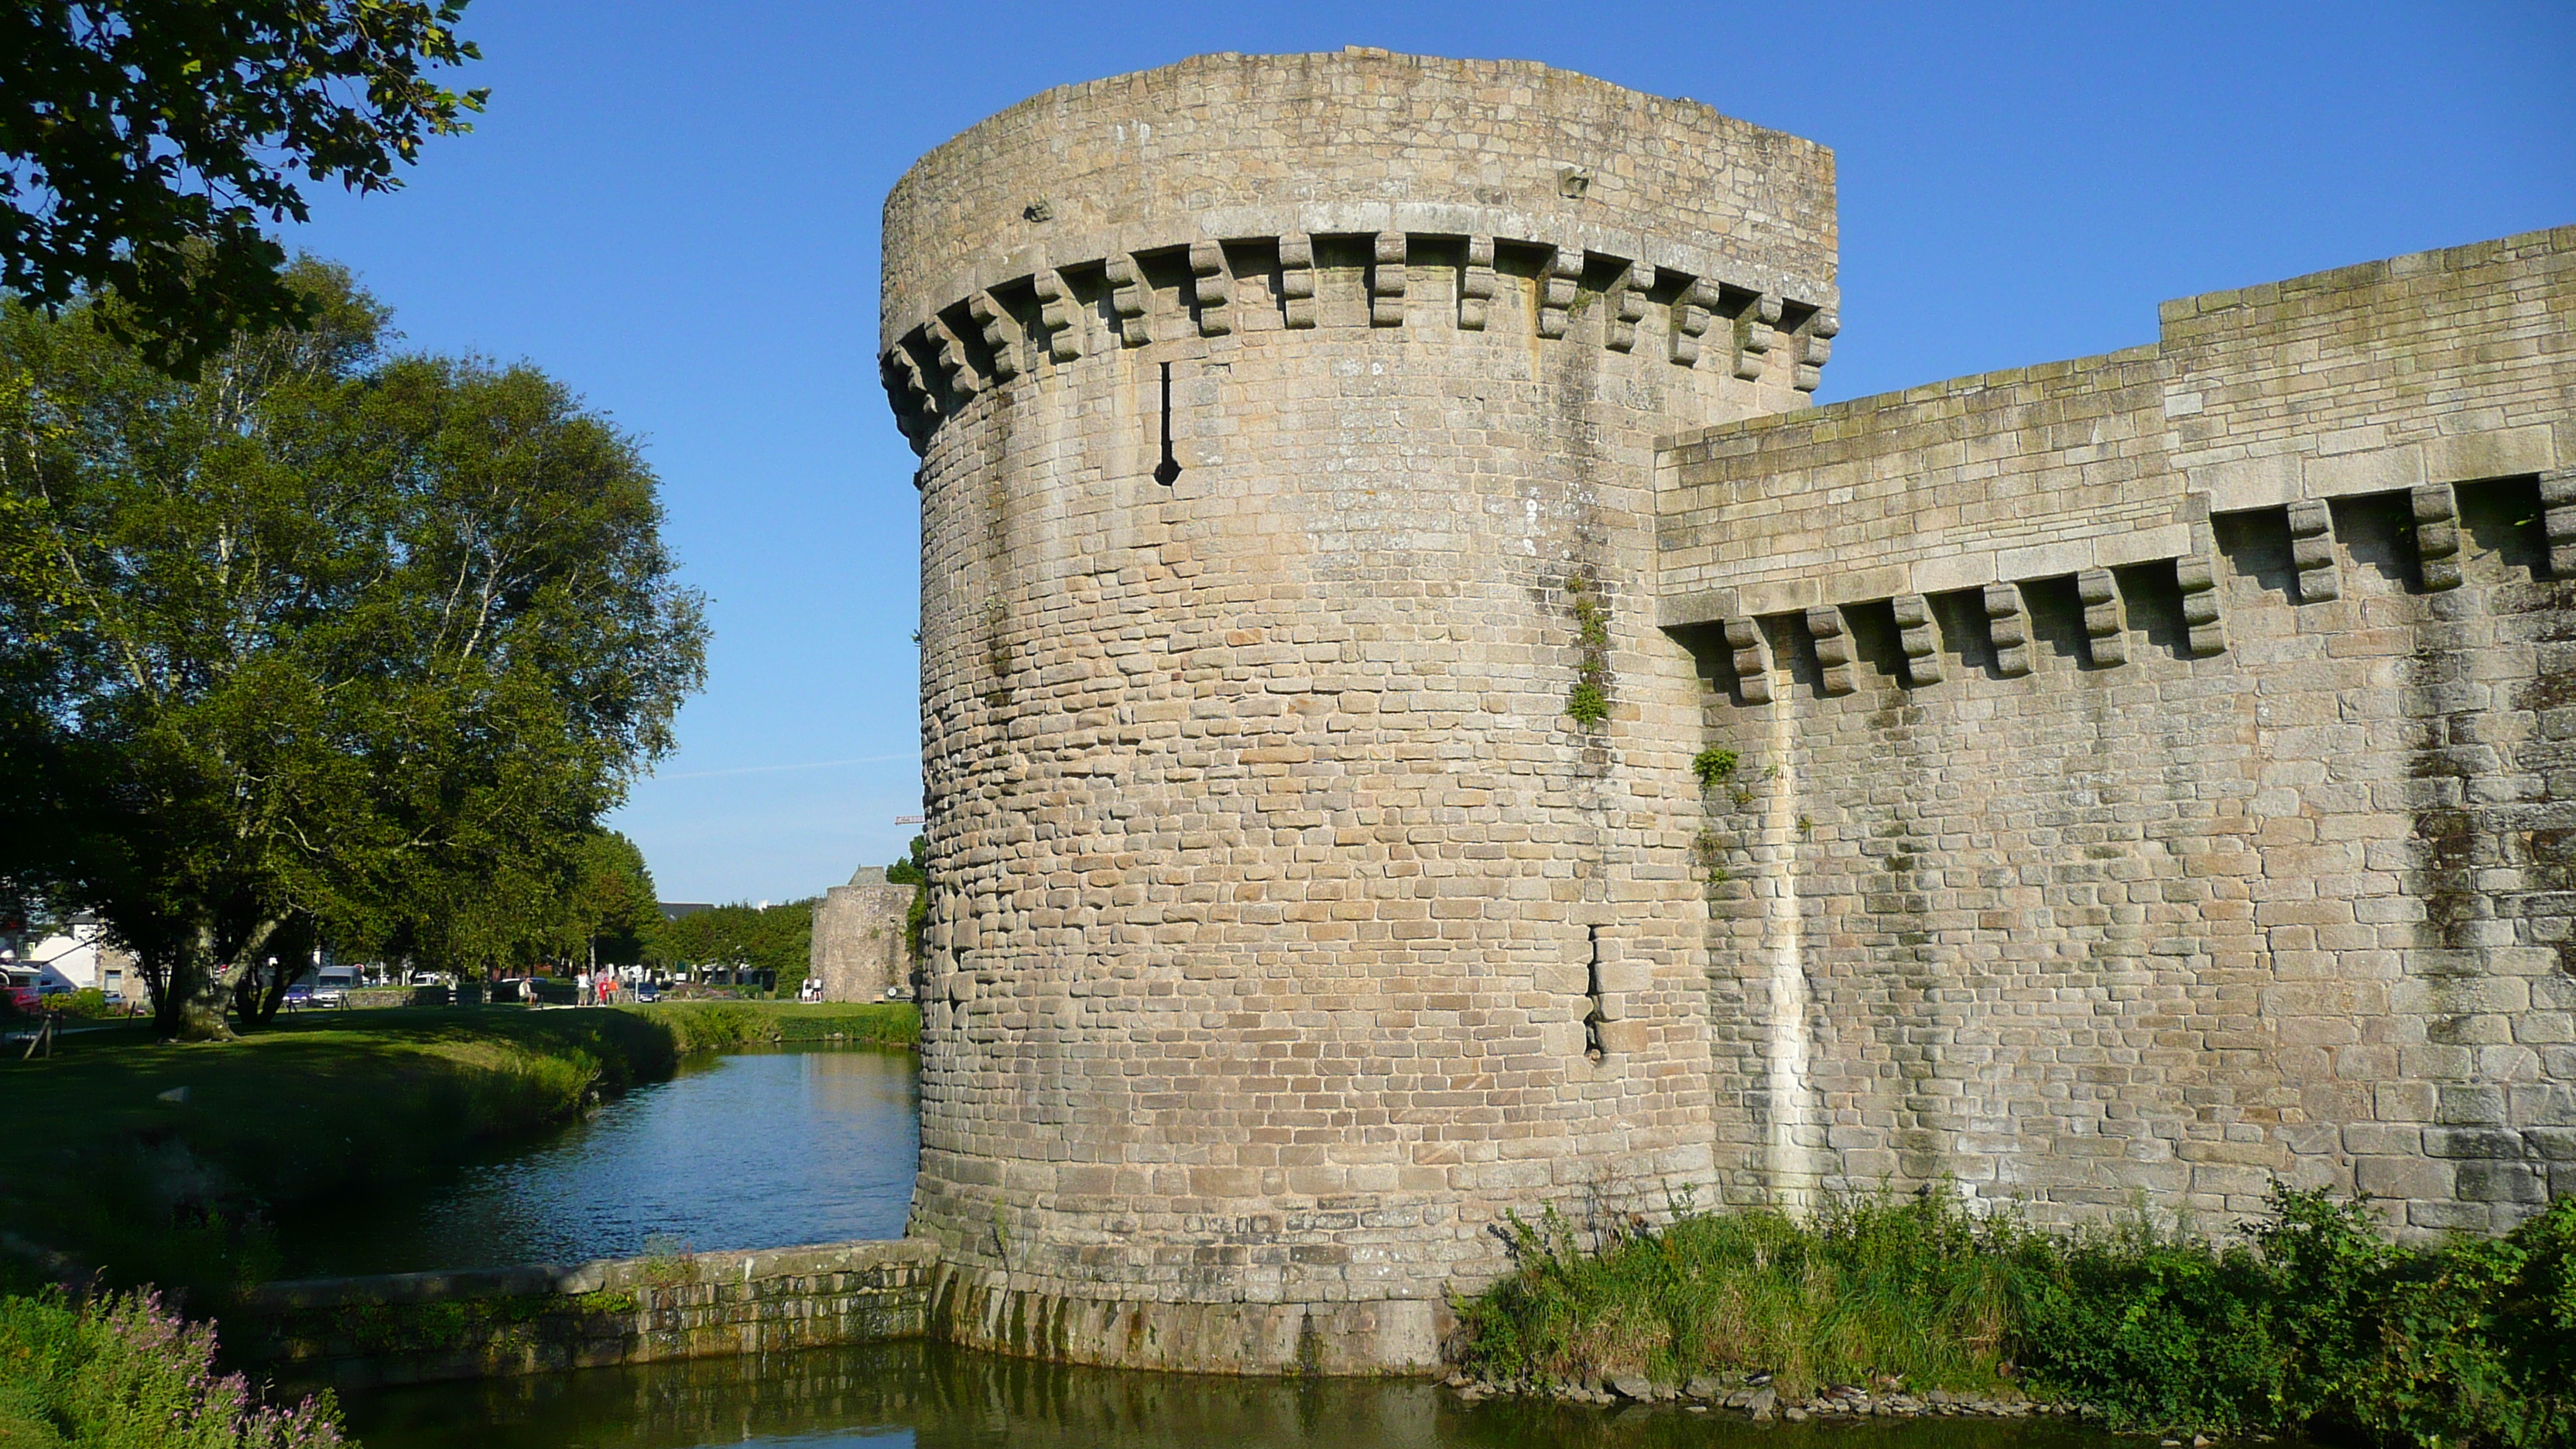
x=325, y=1106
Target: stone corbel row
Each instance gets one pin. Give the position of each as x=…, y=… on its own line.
x=1738, y=613
x=1908, y=591
x=933, y=370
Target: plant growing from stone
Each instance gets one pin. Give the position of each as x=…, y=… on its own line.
x=1713, y=767
x=1588, y=703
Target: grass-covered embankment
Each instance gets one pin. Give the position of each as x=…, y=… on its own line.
x=326, y=1108
x=2309, y=1322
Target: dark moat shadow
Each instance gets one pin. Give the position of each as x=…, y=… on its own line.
x=932, y=1395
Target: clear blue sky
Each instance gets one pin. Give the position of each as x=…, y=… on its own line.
x=673, y=207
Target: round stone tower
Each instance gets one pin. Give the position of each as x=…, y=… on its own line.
x=1309, y=785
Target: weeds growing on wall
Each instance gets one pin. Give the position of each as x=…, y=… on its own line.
x=2308, y=1321
x=1713, y=767
x=1588, y=703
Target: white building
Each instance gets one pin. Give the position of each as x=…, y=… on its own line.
x=81, y=959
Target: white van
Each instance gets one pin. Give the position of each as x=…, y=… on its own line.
x=332, y=984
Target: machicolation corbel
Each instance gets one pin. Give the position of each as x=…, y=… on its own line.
x=1058, y=315
x=963, y=378
x=2106, y=636
x=1476, y=285
x=2558, y=520
x=1129, y=297
x=1815, y=345
x=1752, y=660
x=2437, y=535
x=2196, y=573
x=1386, y=280
x=1833, y=649
x=916, y=412
x=1561, y=285
x=1693, y=310
x=1628, y=307
x=991, y=319
x=1917, y=638
x=1211, y=287
x=2008, y=628
x=1754, y=331
x=2312, y=550
x=1297, y=280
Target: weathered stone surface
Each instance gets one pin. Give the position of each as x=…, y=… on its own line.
x=2153, y=768
x=1261, y=825
x=2262, y=868
x=860, y=952
x=482, y=1323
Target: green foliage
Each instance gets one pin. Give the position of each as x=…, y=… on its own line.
x=88, y=1004
x=914, y=870
x=360, y=640
x=777, y=938
x=1587, y=704
x=610, y=907
x=144, y=142
x=1913, y=1287
x=1713, y=767
x=125, y=1372
x=2311, y=1322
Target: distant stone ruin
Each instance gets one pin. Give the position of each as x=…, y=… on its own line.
x=860, y=952
x=1424, y=721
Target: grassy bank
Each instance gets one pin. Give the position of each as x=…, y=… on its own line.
x=162, y=1164
x=2308, y=1322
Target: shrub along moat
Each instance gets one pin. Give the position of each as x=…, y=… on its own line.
x=165, y=1164
x=2310, y=1322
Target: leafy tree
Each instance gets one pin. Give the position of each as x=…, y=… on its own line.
x=914, y=870
x=778, y=938
x=325, y=633
x=144, y=141
x=610, y=909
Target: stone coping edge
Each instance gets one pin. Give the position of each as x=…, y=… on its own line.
x=597, y=1276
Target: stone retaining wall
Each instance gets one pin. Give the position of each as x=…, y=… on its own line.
x=482, y=1323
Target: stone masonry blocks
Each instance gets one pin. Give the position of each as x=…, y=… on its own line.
x=2281, y=897
x=2312, y=551
x=1261, y=837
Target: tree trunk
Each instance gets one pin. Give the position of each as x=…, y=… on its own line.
x=201, y=990
x=290, y=944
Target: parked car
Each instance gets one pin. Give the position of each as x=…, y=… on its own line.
x=647, y=991
x=21, y=990
x=298, y=996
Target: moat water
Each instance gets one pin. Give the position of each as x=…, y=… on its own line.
x=928, y=1395
x=756, y=1149
x=767, y=1148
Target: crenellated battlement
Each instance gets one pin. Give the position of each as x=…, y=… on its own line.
x=1691, y=307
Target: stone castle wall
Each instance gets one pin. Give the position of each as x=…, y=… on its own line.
x=2146, y=770
x=1288, y=931
x=860, y=950
x=2156, y=769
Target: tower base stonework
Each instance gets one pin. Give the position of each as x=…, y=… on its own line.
x=1424, y=723
x=1002, y=1312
